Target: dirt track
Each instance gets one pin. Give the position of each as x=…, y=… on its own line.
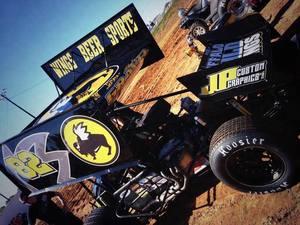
x=215, y=203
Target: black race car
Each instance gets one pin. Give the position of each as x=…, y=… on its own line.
x=244, y=125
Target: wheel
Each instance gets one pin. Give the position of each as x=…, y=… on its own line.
x=248, y=159
x=198, y=28
x=106, y=216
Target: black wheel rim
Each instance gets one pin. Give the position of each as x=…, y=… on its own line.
x=255, y=166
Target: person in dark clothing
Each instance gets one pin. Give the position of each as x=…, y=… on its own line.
x=42, y=207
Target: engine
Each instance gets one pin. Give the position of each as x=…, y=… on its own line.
x=148, y=193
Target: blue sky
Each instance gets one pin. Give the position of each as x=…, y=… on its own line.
x=34, y=31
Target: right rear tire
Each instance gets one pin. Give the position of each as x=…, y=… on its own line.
x=247, y=158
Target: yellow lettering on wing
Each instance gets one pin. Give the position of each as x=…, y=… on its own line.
x=91, y=86
x=121, y=28
x=90, y=48
x=130, y=23
x=112, y=34
x=219, y=81
x=63, y=65
x=132, y=68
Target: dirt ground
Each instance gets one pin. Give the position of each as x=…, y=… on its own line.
x=206, y=201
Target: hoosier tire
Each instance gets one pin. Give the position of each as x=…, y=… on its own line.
x=249, y=159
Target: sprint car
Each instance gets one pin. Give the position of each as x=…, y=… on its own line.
x=244, y=125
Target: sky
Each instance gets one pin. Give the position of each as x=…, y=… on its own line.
x=32, y=32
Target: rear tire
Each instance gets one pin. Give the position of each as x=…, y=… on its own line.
x=249, y=159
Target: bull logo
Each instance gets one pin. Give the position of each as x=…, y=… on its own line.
x=88, y=143
x=90, y=140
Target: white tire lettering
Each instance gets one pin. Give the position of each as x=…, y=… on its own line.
x=234, y=144
x=222, y=151
x=247, y=140
x=261, y=140
x=284, y=185
x=228, y=147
